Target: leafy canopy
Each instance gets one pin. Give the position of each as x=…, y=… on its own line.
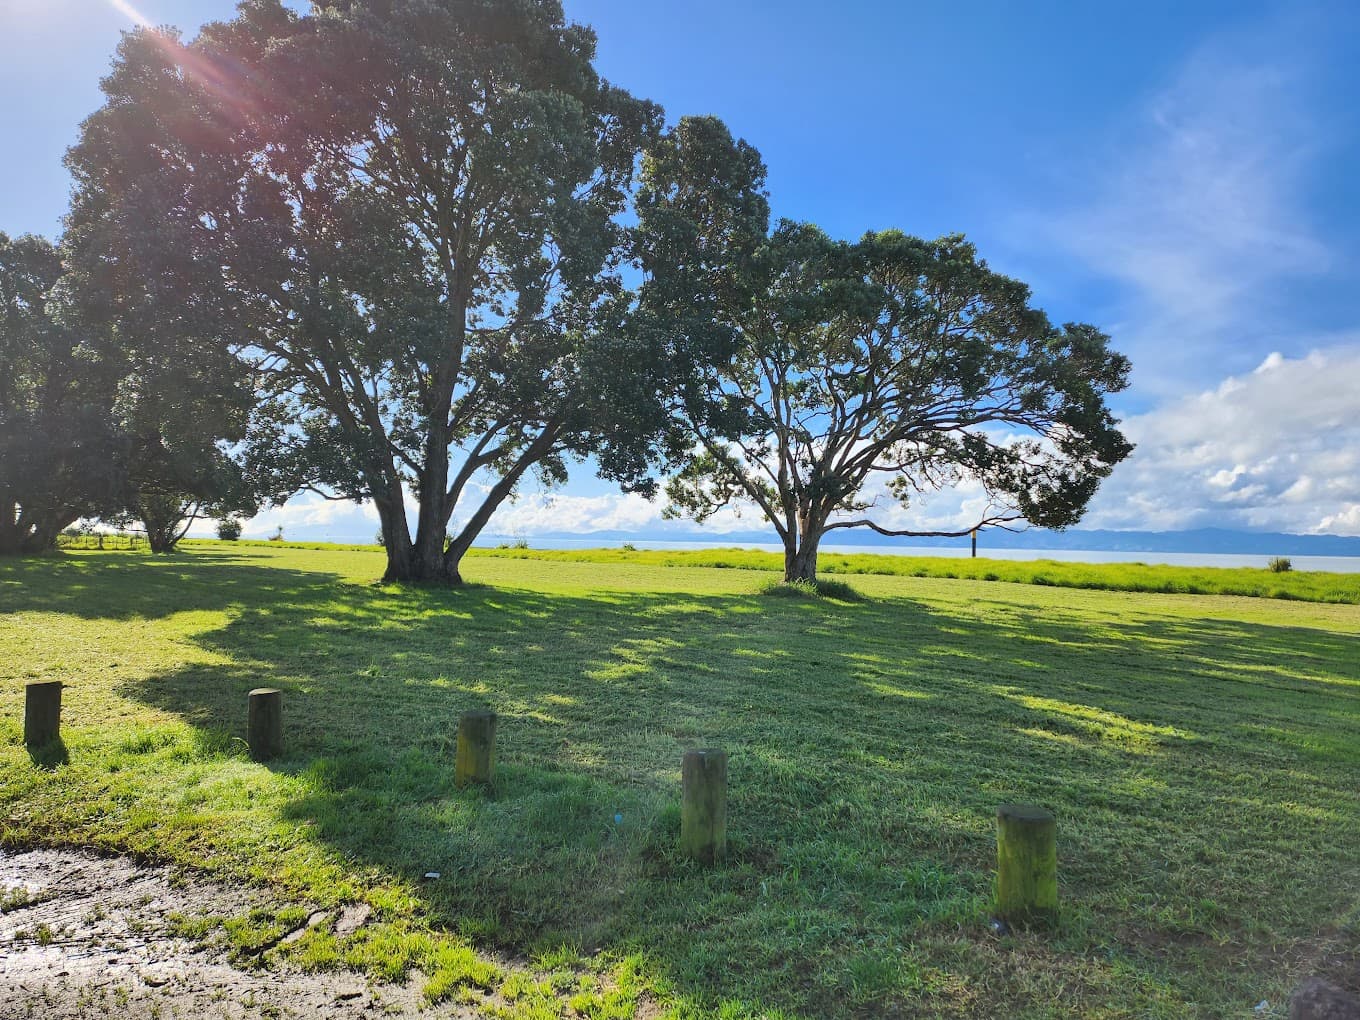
x=891, y=368
x=414, y=209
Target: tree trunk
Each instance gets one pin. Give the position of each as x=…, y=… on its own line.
x=25, y=534
x=800, y=551
x=420, y=562
x=163, y=519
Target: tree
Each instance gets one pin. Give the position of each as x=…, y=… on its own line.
x=143, y=276
x=58, y=444
x=888, y=369
x=415, y=209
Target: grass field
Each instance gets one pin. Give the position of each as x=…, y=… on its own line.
x=1202, y=754
x=1305, y=586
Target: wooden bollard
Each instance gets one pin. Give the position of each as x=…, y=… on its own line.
x=42, y=712
x=264, y=724
x=1026, y=865
x=703, y=805
x=475, y=756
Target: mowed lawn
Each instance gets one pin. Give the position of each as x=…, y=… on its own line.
x=1202, y=755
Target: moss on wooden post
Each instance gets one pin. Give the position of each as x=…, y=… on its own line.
x=475, y=759
x=703, y=806
x=42, y=712
x=1026, y=865
x=264, y=724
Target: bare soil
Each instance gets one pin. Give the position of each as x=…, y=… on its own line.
x=89, y=936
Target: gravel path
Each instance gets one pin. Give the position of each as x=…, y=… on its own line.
x=88, y=936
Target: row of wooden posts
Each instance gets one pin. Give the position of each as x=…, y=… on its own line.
x=1026, y=836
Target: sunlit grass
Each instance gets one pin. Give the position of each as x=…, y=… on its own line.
x=1202, y=755
x=1307, y=586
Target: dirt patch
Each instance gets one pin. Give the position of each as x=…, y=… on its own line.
x=89, y=936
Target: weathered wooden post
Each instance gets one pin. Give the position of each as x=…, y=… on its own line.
x=1026, y=865
x=703, y=805
x=475, y=755
x=42, y=712
x=264, y=724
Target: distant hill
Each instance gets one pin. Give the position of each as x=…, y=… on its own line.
x=1200, y=540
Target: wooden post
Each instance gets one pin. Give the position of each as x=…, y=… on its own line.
x=1026, y=865
x=475, y=755
x=264, y=724
x=42, y=712
x=703, y=805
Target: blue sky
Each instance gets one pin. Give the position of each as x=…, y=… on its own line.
x=1182, y=174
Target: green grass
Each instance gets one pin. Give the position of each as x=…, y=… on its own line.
x=1202, y=755
x=1304, y=586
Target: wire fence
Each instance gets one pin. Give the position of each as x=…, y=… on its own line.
x=127, y=540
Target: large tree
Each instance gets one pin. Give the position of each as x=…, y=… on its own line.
x=871, y=374
x=416, y=208
x=59, y=449
x=144, y=277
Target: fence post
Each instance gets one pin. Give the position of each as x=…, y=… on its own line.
x=1026, y=865
x=703, y=806
x=42, y=712
x=475, y=755
x=264, y=724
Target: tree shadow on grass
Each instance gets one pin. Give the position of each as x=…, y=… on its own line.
x=124, y=586
x=870, y=744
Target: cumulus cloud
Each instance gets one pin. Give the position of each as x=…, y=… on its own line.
x=307, y=517
x=1275, y=449
x=544, y=512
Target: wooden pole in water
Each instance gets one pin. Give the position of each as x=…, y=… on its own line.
x=703, y=806
x=264, y=724
x=1026, y=865
x=475, y=756
x=42, y=712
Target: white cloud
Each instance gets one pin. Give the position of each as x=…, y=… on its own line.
x=1277, y=448
x=540, y=513
x=1195, y=208
x=307, y=517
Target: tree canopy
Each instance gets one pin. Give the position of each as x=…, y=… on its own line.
x=58, y=445
x=870, y=374
x=413, y=213
x=416, y=252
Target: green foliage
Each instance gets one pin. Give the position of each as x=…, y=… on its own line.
x=802, y=588
x=229, y=529
x=59, y=447
x=1280, y=565
x=870, y=743
x=892, y=360
x=410, y=272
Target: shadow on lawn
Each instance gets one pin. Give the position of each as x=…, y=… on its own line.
x=870, y=744
x=125, y=585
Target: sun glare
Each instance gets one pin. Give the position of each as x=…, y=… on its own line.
x=127, y=10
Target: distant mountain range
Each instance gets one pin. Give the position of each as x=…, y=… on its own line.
x=1200, y=540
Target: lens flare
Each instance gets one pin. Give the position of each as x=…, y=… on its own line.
x=128, y=11
x=222, y=78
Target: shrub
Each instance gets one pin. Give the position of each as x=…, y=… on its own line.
x=800, y=589
x=228, y=529
x=629, y=547
x=1280, y=565
x=278, y=535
